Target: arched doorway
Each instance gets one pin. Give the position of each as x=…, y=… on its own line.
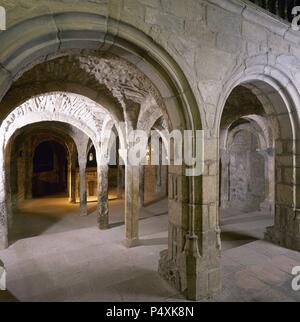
x=190, y=224
x=246, y=170
x=50, y=169
x=276, y=106
x=42, y=160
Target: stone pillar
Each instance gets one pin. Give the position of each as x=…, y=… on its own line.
x=72, y=182
x=158, y=179
x=82, y=185
x=13, y=174
x=81, y=142
x=120, y=184
x=159, y=172
x=3, y=223
x=192, y=261
x=286, y=228
x=164, y=180
x=3, y=207
x=29, y=154
x=132, y=195
x=269, y=203
x=73, y=185
x=141, y=186
x=103, y=212
x=225, y=179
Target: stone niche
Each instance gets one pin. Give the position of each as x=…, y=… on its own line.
x=247, y=177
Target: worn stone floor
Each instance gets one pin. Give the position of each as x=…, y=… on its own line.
x=64, y=257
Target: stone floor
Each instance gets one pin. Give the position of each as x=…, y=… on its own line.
x=64, y=257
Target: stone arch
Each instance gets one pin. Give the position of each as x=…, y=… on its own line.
x=40, y=45
x=57, y=132
x=190, y=227
x=32, y=112
x=279, y=97
x=248, y=128
x=260, y=195
x=50, y=108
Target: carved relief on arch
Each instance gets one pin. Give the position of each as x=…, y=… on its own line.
x=55, y=107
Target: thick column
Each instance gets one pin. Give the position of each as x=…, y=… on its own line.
x=192, y=261
x=132, y=195
x=286, y=229
x=103, y=212
x=82, y=187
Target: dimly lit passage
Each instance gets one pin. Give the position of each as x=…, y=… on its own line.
x=150, y=150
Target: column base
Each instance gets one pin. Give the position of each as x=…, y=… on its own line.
x=282, y=238
x=83, y=213
x=130, y=243
x=3, y=241
x=103, y=224
x=194, y=276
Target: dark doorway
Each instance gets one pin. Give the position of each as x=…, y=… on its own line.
x=50, y=168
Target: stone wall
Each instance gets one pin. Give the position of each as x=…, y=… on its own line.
x=155, y=186
x=195, y=52
x=247, y=177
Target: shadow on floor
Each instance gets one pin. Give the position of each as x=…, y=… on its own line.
x=240, y=220
x=153, y=241
x=37, y=216
x=232, y=236
x=6, y=296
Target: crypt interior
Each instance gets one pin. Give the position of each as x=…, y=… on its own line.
x=78, y=223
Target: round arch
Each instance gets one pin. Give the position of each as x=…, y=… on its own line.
x=279, y=97
x=90, y=31
x=38, y=45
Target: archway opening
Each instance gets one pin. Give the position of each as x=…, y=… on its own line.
x=157, y=67
x=247, y=172
x=42, y=159
x=50, y=170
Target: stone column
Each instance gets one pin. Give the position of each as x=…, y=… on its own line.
x=72, y=184
x=3, y=206
x=14, y=180
x=141, y=186
x=3, y=222
x=225, y=179
x=81, y=142
x=269, y=203
x=132, y=195
x=120, y=185
x=82, y=185
x=192, y=261
x=159, y=172
x=286, y=229
x=158, y=179
x=103, y=212
x=28, y=169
